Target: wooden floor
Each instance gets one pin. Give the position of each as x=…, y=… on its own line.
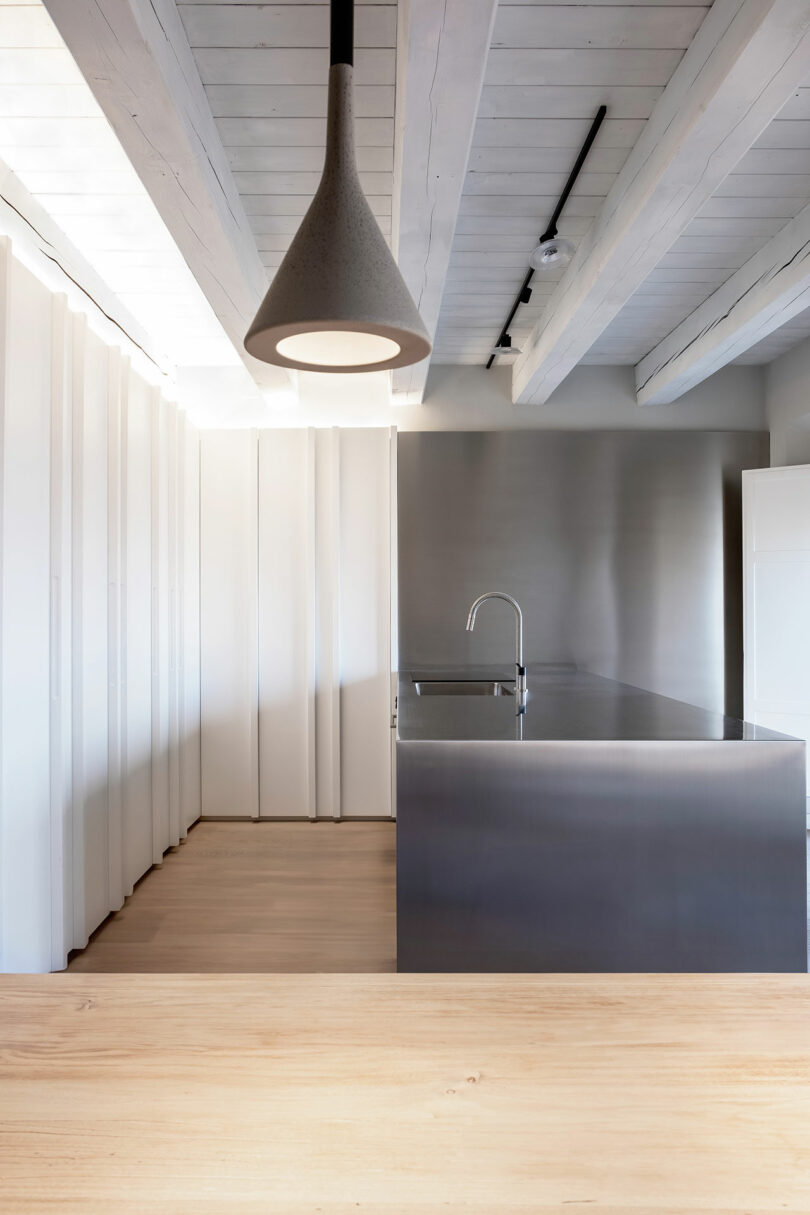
x=490, y=1095
x=259, y=897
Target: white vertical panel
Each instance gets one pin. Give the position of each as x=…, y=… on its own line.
x=327, y=622
x=25, y=677
x=365, y=622
x=161, y=831
x=190, y=628
x=90, y=727
x=116, y=386
x=172, y=598
x=229, y=624
x=286, y=624
x=60, y=723
x=776, y=573
x=136, y=629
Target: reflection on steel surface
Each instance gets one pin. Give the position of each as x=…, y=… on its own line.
x=623, y=549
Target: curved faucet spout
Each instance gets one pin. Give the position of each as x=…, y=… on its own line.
x=521, y=670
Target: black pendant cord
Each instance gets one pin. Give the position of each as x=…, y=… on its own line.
x=341, y=32
x=524, y=294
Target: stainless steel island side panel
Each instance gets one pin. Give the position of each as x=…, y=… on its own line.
x=601, y=856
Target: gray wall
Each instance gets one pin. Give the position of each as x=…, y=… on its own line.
x=623, y=549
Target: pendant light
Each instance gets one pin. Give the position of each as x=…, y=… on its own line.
x=338, y=302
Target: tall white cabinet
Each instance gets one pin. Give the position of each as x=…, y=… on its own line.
x=776, y=540
x=296, y=561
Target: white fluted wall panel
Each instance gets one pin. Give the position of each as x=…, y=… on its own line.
x=136, y=631
x=98, y=579
x=189, y=626
x=89, y=717
x=25, y=792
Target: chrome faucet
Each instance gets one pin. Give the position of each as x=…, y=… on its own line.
x=520, y=686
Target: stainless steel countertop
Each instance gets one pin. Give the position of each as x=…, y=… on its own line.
x=565, y=704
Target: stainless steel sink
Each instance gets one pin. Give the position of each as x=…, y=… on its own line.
x=463, y=687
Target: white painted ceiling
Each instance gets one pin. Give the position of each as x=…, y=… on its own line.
x=770, y=185
x=264, y=68
x=57, y=141
x=550, y=67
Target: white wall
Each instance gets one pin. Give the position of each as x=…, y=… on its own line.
x=94, y=551
x=472, y=398
x=296, y=548
x=787, y=389
x=601, y=398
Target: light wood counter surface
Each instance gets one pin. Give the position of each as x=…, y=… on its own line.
x=402, y=1093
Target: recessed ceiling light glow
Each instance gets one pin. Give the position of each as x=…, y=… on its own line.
x=338, y=276
x=331, y=348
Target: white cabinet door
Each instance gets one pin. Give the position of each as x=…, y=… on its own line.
x=776, y=518
x=286, y=624
x=310, y=548
x=228, y=624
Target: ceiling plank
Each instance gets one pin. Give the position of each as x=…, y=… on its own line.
x=582, y=26
x=745, y=61
x=442, y=55
x=769, y=290
x=135, y=56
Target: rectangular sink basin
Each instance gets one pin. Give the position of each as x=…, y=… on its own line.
x=463, y=687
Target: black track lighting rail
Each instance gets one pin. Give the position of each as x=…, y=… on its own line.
x=525, y=293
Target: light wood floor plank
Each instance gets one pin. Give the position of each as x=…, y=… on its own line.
x=259, y=897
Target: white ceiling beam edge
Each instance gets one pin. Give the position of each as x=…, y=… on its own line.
x=42, y=244
x=441, y=57
x=135, y=56
x=768, y=291
x=742, y=66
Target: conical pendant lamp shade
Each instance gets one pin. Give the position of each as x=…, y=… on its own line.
x=338, y=301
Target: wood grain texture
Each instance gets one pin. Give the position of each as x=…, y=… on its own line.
x=770, y=289
x=259, y=897
x=292, y=1094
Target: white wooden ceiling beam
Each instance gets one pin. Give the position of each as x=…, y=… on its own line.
x=744, y=63
x=134, y=54
x=768, y=291
x=441, y=58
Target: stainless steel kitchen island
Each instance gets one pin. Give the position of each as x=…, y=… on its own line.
x=606, y=829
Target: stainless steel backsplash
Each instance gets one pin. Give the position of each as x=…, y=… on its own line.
x=623, y=549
